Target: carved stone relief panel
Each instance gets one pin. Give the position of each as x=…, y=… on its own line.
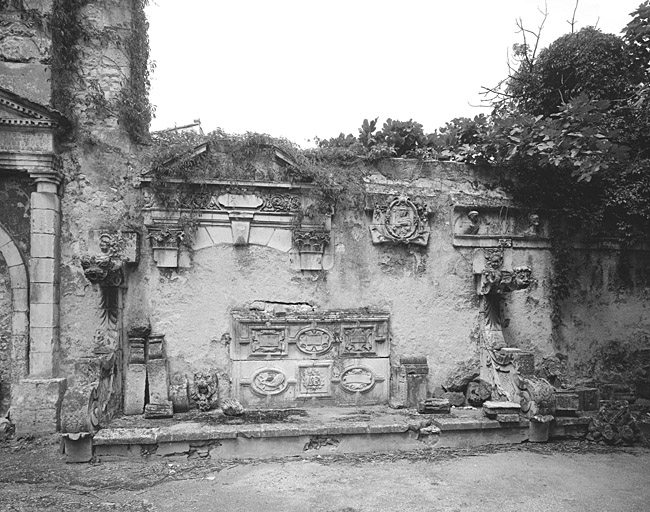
x=400, y=220
x=322, y=357
x=239, y=213
x=490, y=226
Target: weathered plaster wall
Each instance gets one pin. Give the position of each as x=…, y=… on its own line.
x=429, y=291
x=605, y=328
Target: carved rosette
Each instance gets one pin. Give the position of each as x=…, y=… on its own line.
x=269, y=381
x=314, y=341
x=357, y=379
x=400, y=221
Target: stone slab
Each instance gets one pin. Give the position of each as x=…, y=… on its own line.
x=134, y=388
x=159, y=410
x=158, y=379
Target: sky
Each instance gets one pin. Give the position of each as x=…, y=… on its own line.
x=305, y=68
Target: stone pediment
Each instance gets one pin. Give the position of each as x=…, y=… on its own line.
x=27, y=134
x=16, y=111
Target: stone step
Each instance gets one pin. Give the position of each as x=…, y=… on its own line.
x=335, y=431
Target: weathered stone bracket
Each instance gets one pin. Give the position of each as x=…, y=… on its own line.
x=400, y=220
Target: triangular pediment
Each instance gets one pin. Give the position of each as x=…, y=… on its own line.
x=17, y=111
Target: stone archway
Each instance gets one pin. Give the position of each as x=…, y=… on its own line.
x=19, y=314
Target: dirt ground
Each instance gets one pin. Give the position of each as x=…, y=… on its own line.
x=569, y=476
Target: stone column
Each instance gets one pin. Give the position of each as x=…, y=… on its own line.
x=44, y=271
x=37, y=399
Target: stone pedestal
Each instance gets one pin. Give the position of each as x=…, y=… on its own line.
x=36, y=406
x=409, y=382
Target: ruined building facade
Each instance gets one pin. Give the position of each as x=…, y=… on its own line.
x=275, y=301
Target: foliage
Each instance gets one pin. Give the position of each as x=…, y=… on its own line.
x=73, y=90
x=587, y=63
x=403, y=137
x=637, y=40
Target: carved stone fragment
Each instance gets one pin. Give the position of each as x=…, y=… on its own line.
x=232, y=407
x=159, y=410
x=178, y=392
x=158, y=380
x=400, y=221
x=204, y=391
x=434, y=406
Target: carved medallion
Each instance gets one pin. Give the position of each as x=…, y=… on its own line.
x=357, y=379
x=401, y=221
x=313, y=380
x=269, y=381
x=314, y=341
x=267, y=341
x=358, y=340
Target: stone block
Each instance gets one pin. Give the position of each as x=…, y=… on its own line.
x=43, y=270
x=178, y=393
x=43, y=246
x=45, y=201
x=78, y=447
x=155, y=346
x=158, y=379
x=13, y=258
x=36, y=406
x=456, y=398
x=434, y=406
x=136, y=350
x=508, y=418
x=29, y=80
x=44, y=293
x=18, y=275
x=492, y=408
x=567, y=403
x=40, y=362
x=45, y=222
x=20, y=300
x=134, y=388
x=44, y=315
x=159, y=410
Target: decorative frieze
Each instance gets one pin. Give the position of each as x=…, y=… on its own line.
x=400, y=220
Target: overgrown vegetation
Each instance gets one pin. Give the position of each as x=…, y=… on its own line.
x=76, y=89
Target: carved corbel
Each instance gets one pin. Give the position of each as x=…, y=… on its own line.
x=165, y=244
x=311, y=246
x=106, y=264
x=400, y=220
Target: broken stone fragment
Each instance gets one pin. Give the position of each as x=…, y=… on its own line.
x=161, y=410
x=456, y=398
x=492, y=408
x=434, y=406
x=232, y=407
x=508, y=418
x=478, y=392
